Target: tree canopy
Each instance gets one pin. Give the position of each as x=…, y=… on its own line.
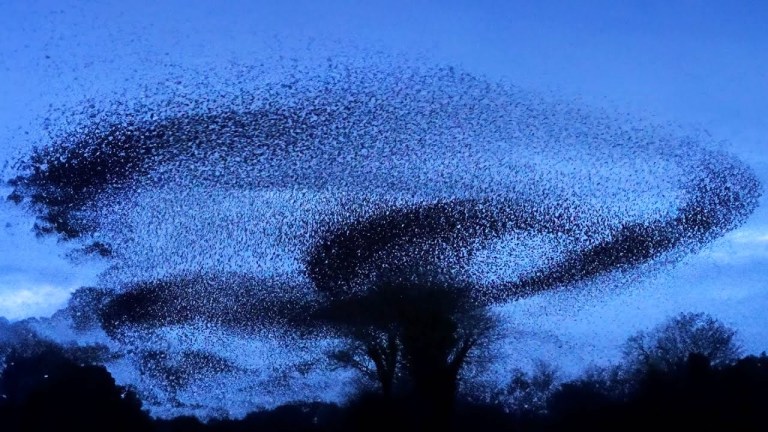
x=673, y=341
x=411, y=335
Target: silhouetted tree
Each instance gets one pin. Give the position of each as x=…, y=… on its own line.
x=672, y=342
x=368, y=323
x=670, y=378
x=527, y=393
x=439, y=327
x=416, y=336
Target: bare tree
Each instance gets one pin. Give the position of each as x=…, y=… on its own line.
x=375, y=353
x=672, y=342
x=528, y=392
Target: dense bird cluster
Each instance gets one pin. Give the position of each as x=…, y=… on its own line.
x=235, y=209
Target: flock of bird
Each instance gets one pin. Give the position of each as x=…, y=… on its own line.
x=222, y=210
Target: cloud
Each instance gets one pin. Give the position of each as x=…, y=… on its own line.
x=36, y=278
x=748, y=245
x=749, y=236
x=23, y=300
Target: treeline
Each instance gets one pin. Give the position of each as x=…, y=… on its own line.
x=686, y=372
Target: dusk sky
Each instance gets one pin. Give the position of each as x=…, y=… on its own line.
x=698, y=68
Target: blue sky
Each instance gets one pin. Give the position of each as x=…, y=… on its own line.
x=698, y=65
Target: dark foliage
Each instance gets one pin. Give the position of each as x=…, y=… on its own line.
x=306, y=417
x=49, y=391
x=694, y=394
x=374, y=411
